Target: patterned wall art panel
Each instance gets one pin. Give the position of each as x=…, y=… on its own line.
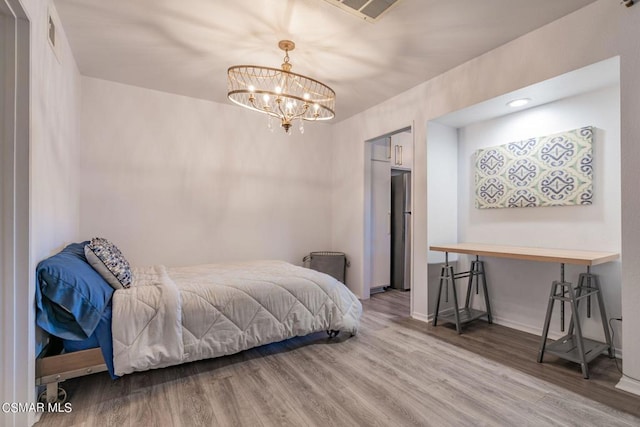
x=553, y=170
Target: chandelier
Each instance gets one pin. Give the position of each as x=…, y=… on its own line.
x=281, y=94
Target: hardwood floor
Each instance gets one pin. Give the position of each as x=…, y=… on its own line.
x=395, y=372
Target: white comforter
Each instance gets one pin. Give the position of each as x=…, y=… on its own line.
x=175, y=315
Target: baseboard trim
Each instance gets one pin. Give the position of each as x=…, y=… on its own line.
x=513, y=325
x=421, y=317
x=629, y=385
x=524, y=327
x=538, y=331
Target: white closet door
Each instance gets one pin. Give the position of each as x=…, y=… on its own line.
x=381, y=224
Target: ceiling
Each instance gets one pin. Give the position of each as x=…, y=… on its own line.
x=186, y=46
x=583, y=80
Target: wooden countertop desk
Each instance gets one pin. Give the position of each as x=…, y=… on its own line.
x=564, y=256
x=572, y=346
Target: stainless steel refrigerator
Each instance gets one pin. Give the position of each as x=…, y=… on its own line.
x=401, y=230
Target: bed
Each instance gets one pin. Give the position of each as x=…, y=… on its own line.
x=168, y=316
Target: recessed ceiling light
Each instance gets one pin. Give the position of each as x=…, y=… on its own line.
x=518, y=102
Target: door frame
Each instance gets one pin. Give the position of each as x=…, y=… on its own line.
x=367, y=240
x=16, y=296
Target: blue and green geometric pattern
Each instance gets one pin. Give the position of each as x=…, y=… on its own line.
x=553, y=170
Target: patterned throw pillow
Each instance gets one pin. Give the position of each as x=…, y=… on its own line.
x=106, y=259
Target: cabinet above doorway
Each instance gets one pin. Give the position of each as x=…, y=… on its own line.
x=401, y=150
x=397, y=149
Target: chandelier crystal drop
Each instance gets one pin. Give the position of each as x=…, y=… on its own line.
x=280, y=93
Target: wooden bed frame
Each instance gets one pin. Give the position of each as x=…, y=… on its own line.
x=53, y=367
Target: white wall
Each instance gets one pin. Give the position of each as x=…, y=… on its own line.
x=442, y=209
x=442, y=187
x=602, y=30
x=175, y=180
x=519, y=290
x=54, y=105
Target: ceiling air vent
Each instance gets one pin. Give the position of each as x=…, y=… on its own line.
x=369, y=10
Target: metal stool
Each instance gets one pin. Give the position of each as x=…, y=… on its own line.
x=460, y=316
x=574, y=346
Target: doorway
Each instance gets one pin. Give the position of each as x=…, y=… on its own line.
x=389, y=221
